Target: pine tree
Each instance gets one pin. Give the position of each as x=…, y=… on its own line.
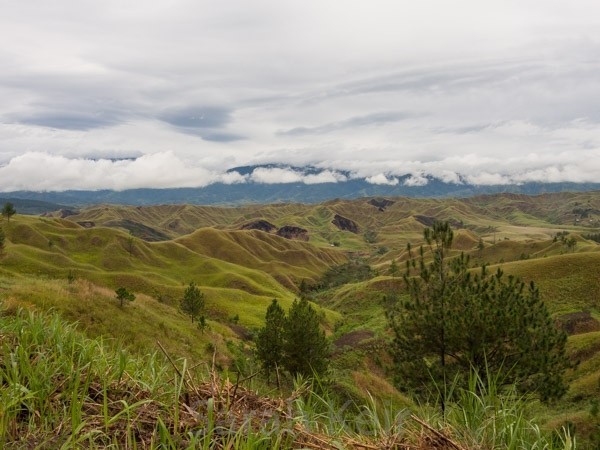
x=306, y=349
x=269, y=342
x=122, y=294
x=8, y=211
x=192, y=302
x=130, y=242
x=202, y=324
x=455, y=321
x=571, y=243
x=394, y=270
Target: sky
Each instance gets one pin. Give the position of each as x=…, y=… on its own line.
x=174, y=93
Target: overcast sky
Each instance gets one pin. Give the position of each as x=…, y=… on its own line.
x=165, y=93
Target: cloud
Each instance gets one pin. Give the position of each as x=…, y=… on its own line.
x=206, y=122
x=353, y=122
x=488, y=179
x=326, y=176
x=382, y=179
x=416, y=180
x=504, y=94
x=232, y=177
x=81, y=122
x=198, y=118
x=42, y=171
x=277, y=175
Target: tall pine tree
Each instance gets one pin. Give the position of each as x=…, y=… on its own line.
x=306, y=349
x=269, y=342
x=455, y=321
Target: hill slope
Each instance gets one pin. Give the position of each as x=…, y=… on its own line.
x=239, y=272
x=240, y=269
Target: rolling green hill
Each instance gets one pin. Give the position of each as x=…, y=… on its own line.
x=73, y=264
x=395, y=221
x=239, y=272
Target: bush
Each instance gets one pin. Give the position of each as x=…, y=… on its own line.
x=350, y=272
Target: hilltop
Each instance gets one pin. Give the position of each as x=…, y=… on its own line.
x=392, y=219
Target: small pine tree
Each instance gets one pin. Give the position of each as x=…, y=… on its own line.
x=394, y=269
x=269, y=342
x=370, y=236
x=123, y=294
x=130, y=242
x=304, y=287
x=192, y=302
x=306, y=350
x=8, y=211
x=571, y=243
x=202, y=324
x=71, y=277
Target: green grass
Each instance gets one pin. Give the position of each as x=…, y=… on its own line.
x=567, y=283
x=241, y=271
x=59, y=389
x=487, y=417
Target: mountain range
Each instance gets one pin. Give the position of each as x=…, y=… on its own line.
x=253, y=191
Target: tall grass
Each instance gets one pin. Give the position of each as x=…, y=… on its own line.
x=50, y=377
x=490, y=415
x=59, y=389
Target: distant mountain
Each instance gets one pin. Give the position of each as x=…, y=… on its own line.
x=303, y=191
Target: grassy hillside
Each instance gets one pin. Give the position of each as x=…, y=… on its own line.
x=73, y=265
x=394, y=221
x=570, y=286
x=60, y=389
x=239, y=272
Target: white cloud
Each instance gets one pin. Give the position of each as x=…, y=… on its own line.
x=275, y=175
x=42, y=171
x=278, y=175
x=232, y=178
x=382, y=179
x=326, y=176
x=487, y=179
x=416, y=180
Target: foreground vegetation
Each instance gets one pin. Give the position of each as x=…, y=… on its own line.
x=59, y=389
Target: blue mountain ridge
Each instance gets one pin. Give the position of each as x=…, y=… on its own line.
x=299, y=192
